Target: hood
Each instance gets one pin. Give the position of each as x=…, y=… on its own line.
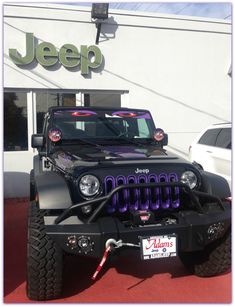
x=89, y=152
x=69, y=156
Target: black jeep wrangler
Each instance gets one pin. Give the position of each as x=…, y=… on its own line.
x=102, y=181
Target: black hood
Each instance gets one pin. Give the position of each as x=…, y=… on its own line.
x=67, y=157
x=116, y=152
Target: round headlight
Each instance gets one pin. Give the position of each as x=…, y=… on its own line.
x=189, y=178
x=89, y=185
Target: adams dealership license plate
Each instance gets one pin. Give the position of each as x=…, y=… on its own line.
x=158, y=247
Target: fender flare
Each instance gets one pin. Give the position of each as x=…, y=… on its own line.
x=52, y=191
x=215, y=185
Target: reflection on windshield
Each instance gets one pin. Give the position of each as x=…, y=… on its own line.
x=77, y=124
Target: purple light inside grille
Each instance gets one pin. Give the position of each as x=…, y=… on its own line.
x=155, y=196
x=175, y=192
x=149, y=198
x=144, y=204
x=108, y=187
x=135, y=196
x=165, y=192
x=122, y=196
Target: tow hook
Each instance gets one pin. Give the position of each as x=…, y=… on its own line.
x=113, y=243
x=110, y=245
x=117, y=244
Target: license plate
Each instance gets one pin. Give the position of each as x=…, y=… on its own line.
x=158, y=246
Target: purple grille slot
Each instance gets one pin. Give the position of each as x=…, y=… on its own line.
x=175, y=192
x=108, y=187
x=122, y=196
x=165, y=192
x=134, y=194
x=155, y=193
x=144, y=196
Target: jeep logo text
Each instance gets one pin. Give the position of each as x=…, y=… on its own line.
x=68, y=55
x=142, y=171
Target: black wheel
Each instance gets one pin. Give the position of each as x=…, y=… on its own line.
x=214, y=260
x=44, y=259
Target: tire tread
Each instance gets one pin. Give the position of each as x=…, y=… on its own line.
x=44, y=263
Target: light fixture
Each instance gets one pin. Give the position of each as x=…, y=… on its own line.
x=89, y=185
x=189, y=178
x=99, y=12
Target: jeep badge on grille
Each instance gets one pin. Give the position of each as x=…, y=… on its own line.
x=142, y=171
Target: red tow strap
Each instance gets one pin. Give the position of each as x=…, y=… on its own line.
x=102, y=262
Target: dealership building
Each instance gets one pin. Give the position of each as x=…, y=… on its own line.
x=177, y=67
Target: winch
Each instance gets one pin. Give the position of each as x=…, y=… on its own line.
x=110, y=245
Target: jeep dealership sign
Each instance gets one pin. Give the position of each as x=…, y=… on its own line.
x=68, y=55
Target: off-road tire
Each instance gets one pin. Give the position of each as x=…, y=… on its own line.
x=214, y=260
x=44, y=259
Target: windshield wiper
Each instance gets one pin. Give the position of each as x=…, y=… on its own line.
x=72, y=141
x=130, y=141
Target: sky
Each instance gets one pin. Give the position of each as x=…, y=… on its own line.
x=220, y=10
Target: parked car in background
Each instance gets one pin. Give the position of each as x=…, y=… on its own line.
x=212, y=150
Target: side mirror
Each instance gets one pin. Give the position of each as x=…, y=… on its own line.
x=37, y=140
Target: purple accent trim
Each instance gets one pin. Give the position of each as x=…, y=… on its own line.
x=134, y=205
x=112, y=206
x=123, y=112
x=165, y=192
x=122, y=207
x=175, y=191
x=73, y=111
x=152, y=198
x=144, y=205
x=145, y=115
x=83, y=111
x=156, y=191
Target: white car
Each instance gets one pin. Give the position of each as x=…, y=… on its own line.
x=212, y=150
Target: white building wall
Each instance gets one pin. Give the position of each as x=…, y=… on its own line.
x=175, y=67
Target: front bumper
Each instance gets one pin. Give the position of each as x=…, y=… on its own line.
x=194, y=230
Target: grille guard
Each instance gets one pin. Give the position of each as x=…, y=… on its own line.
x=194, y=195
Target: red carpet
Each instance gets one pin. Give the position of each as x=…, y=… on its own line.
x=126, y=279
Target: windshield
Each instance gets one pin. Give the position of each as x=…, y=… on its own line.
x=103, y=124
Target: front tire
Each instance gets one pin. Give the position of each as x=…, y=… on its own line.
x=44, y=259
x=214, y=260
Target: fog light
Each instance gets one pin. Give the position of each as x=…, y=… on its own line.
x=215, y=230
x=72, y=242
x=86, y=209
x=85, y=244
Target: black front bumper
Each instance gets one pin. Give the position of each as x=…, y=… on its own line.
x=194, y=230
